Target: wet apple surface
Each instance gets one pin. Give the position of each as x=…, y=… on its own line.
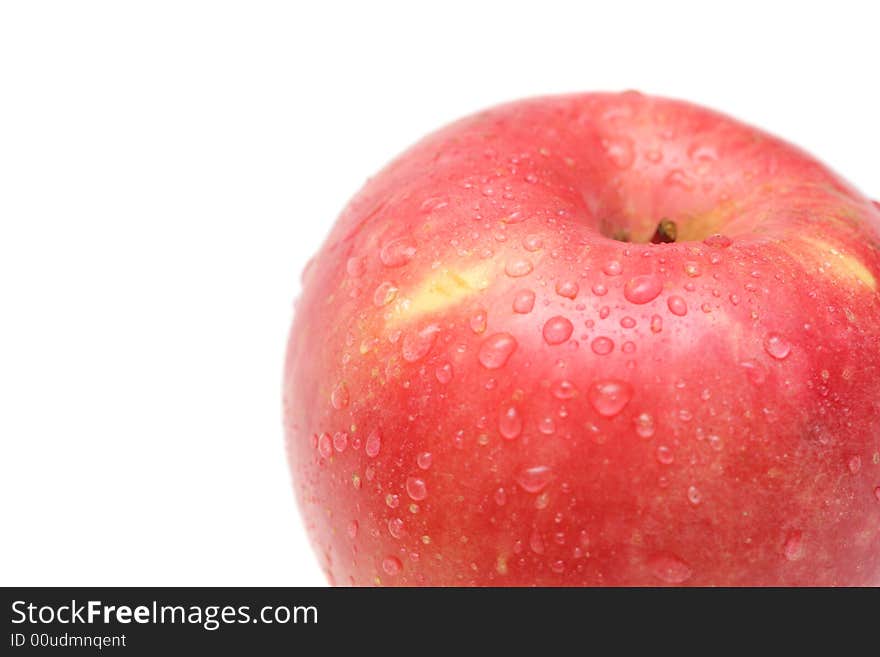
x=599, y=339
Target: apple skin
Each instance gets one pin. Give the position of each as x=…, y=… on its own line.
x=483, y=388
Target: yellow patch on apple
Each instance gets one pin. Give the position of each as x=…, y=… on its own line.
x=841, y=264
x=442, y=289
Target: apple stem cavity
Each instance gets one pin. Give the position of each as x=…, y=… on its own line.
x=666, y=232
x=621, y=235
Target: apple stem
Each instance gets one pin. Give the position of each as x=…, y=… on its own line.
x=666, y=232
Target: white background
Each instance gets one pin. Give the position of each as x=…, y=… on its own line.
x=166, y=168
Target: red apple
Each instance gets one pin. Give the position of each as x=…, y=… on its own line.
x=600, y=339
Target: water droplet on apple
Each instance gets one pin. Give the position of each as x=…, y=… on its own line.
x=694, y=495
x=599, y=289
x=610, y=397
x=433, y=203
x=557, y=330
x=656, y=323
x=627, y=322
x=373, y=444
x=642, y=289
x=510, y=423
x=395, y=527
x=877, y=493
x=602, y=346
x=794, y=546
x=536, y=543
x=385, y=293
x=670, y=569
x=444, y=373
x=564, y=389
x=613, y=268
x=677, y=306
x=518, y=267
x=542, y=501
x=500, y=497
x=534, y=479
x=678, y=178
x=417, y=345
x=496, y=350
x=391, y=565
x=356, y=266
x=692, y=269
x=755, y=372
x=416, y=488
x=855, y=464
x=777, y=346
x=523, y=302
x=620, y=151
x=397, y=253
x=478, y=321
x=567, y=289
x=424, y=460
x=339, y=397
x=664, y=455
x=702, y=153
x=353, y=529
x=718, y=241
x=547, y=426
x=654, y=155
x=393, y=501
x=644, y=425
x=340, y=441
x=532, y=243
x=715, y=442
x=325, y=445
